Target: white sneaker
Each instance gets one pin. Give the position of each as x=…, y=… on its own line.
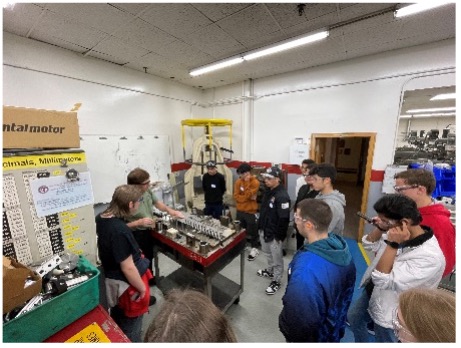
x=253, y=254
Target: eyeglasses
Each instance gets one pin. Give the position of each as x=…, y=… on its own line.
x=297, y=217
x=398, y=328
x=405, y=187
x=145, y=183
x=141, y=199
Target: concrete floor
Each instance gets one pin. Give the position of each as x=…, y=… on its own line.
x=255, y=317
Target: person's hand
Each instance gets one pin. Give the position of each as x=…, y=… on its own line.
x=145, y=222
x=399, y=234
x=178, y=214
x=141, y=295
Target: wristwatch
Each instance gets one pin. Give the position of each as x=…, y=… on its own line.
x=393, y=245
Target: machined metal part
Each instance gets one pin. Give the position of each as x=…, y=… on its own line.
x=48, y=265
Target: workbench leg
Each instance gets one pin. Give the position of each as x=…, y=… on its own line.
x=208, y=287
x=156, y=268
x=242, y=268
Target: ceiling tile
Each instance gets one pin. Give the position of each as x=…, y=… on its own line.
x=181, y=52
x=359, y=10
x=216, y=12
x=144, y=34
x=58, y=27
x=134, y=9
x=215, y=42
x=118, y=48
x=21, y=18
x=103, y=17
x=108, y=58
x=177, y=19
x=250, y=24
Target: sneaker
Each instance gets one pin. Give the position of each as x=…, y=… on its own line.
x=152, y=301
x=371, y=328
x=265, y=273
x=273, y=287
x=253, y=254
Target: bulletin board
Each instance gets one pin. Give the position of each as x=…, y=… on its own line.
x=111, y=157
x=43, y=213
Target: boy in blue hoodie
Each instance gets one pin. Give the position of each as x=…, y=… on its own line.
x=321, y=279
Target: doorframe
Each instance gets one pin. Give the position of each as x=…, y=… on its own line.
x=366, y=184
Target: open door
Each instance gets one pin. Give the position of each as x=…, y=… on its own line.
x=352, y=155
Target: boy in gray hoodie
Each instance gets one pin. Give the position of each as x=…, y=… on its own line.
x=323, y=177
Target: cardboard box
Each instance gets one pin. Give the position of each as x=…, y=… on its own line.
x=15, y=275
x=39, y=128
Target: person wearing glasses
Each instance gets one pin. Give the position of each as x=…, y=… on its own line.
x=407, y=256
x=323, y=178
x=126, y=271
x=306, y=191
x=142, y=222
x=246, y=189
x=425, y=315
x=418, y=184
x=321, y=280
x=273, y=225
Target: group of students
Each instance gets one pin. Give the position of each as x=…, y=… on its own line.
x=414, y=242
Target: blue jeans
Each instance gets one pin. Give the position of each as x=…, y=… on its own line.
x=384, y=335
x=131, y=327
x=358, y=317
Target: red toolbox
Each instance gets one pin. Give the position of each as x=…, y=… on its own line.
x=94, y=327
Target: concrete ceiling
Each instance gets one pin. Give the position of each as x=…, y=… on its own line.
x=170, y=39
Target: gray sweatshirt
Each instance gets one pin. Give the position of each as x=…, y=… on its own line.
x=337, y=202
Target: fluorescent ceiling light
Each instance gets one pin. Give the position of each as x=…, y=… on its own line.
x=216, y=66
x=286, y=45
x=429, y=115
x=412, y=111
x=281, y=46
x=415, y=8
x=444, y=96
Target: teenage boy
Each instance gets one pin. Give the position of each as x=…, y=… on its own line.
x=321, y=279
x=245, y=192
x=214, y=187
x=273, y=225
x=418, y=184
x=407, y=256
x=323, y=178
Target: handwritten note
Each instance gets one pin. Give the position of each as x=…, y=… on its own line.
x=56, y=194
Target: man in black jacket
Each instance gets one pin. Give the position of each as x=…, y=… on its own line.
x=214, y=186
x=273, y=225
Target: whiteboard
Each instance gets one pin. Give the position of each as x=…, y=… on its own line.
x=110, y=158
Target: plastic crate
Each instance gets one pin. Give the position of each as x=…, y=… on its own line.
x=55, y=314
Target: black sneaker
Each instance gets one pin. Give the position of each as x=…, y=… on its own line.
x=273, y=287
x=265, y=273
x=152, y=301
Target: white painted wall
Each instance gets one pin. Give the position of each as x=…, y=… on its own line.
x=360, y=95
x=115, y=100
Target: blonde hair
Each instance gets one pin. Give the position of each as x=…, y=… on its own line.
x=429, y=314
x=189, y=316
x=121, y=198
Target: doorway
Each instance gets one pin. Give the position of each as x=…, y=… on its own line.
x=352, y=155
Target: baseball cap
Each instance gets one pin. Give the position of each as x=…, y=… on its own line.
x=211, y=164
x=243, y=168
x=272, y=172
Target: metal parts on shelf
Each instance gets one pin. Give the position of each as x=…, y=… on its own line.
x=202, y=234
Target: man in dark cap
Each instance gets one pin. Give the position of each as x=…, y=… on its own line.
x=273, y=225
x=214, y=186
x=245, y=192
